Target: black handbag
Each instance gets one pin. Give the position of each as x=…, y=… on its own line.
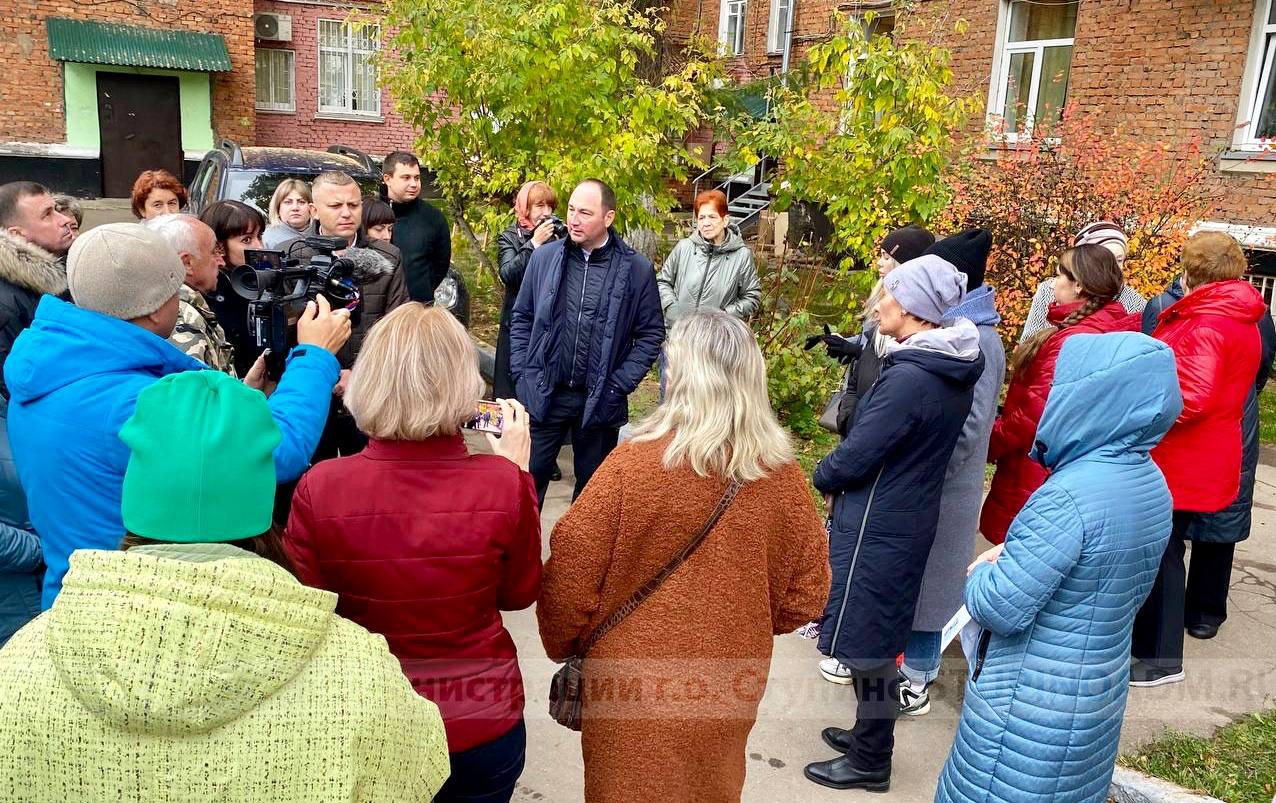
x=828, y=419
x=566, y=689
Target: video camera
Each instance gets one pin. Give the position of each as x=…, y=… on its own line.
x=278, y=287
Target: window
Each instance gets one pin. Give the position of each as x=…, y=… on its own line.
x=731, y=27
x=347, y=76
x=275, y=80
x=1258, y=105
x=1034, y=63
x=778, y=28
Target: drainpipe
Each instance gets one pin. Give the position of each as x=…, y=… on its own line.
x=788, y=41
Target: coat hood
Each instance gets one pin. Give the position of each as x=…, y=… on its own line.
x=733, y=242
x=66, y=344
x=950, y=352
x=30, y=267
x=1114, y=393
x=175, y=640
x=979, y=307
x=1232, y=299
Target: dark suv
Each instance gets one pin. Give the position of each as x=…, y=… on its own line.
x=232, y=173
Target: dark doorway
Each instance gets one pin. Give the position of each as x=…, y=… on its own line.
x=140, y=118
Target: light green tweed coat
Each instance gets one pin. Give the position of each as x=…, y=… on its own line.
x=204, y=673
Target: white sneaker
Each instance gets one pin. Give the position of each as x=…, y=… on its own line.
x=835, y=672
x=914, y=700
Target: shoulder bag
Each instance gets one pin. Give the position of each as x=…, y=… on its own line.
x=566, y=689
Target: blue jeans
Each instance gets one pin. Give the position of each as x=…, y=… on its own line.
x=922, y=657
x=487, y=773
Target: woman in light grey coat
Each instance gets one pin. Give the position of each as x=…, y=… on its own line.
x=945, y=578
x=710, y=270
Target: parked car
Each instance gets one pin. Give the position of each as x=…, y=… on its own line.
x=232, y=173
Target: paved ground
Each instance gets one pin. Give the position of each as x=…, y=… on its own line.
x=1229, y=676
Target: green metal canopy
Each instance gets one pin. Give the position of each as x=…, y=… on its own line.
x=132, y=46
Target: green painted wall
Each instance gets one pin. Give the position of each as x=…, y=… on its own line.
x=80, y=81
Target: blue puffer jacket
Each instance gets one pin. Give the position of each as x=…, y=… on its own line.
x=1042, y=714
x=20, y=564
x=73, y=378
x=632, y=332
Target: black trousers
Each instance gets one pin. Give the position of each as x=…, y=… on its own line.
x=340, y=438
x=590, y=445
x=1209, y=578
x=487, y=773
x=877, y=692
x=1158, y=627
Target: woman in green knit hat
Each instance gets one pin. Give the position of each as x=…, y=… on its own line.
x=189, y=668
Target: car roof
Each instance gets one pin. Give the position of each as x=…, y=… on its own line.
x=300, y=161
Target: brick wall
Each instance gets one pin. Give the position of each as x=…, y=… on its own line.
x=303, y=128
x=33, y=108
x=1169, y=69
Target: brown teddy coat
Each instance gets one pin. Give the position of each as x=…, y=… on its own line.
x=672, y=692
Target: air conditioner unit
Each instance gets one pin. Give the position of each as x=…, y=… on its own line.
x=272, y=27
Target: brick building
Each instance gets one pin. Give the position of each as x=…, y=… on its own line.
x=1170, y=70
x=95, y=93
x=316, y=85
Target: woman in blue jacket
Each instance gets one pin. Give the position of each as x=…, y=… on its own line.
x=886, y=477
x=1042, y=714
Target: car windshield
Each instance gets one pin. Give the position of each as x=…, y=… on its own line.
x=255, y=187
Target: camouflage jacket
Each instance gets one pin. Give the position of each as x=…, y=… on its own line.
x=198, y=333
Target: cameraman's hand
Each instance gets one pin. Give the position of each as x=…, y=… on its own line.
x=256, y=376
x=543, y=233
x=515, y=442
x=320, y=326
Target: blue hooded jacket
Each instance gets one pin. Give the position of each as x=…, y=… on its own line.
x=1042, y=715
x=74, y=377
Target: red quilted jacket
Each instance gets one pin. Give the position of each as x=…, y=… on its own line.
x=1015, y=430
x=426, y=544
x=1216, y=351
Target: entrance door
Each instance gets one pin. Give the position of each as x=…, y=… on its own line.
x=140, y=119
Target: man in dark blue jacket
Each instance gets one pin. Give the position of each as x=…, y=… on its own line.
x=585, y=330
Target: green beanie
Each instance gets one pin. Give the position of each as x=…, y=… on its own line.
x=203, y=467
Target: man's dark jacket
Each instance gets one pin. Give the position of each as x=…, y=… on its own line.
x=630, y=332
x=27, y=272
x=423, y=236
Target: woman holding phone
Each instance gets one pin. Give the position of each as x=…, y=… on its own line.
x=426, y=543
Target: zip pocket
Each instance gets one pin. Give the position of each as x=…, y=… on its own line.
x=985, y=636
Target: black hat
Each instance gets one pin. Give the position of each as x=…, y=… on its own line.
x=907, y=243
x=968, y=251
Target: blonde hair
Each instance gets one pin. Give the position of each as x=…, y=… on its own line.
x=716, y=405
x=416, y=376
x=287, y=187
x=1211, y=256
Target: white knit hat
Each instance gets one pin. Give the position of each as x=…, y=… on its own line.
x=1107, y=234
x=123, y=270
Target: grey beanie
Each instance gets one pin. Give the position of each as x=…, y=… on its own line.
x=123, y=270
x=927, y=287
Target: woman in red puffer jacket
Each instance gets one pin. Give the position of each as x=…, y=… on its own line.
x=1213, y=331
x=1086, y=290
x=426, y=543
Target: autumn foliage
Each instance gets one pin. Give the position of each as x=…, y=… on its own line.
x=1038, y=193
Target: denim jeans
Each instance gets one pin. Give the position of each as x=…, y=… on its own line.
x=922, y=657
x=487, y=773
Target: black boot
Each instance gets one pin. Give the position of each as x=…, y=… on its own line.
x=837, y=738
x=557, y=475
x=841, y=774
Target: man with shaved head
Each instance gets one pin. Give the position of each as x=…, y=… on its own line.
x=585, y=330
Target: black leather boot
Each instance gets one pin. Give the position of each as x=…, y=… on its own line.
x=841, y=774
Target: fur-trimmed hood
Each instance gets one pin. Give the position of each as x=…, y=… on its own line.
x=30, y=267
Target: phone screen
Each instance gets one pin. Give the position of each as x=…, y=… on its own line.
x=489, y=418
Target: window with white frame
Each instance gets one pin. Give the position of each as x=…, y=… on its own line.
x=1034, y=64
x=731, y=26
x=777, y=30
x=276, y=80
x=347, y=74
x=1258, y=124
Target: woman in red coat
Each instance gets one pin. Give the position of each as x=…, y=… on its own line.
x=1086, y=290
x=427, y=544
x=1213, y=332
